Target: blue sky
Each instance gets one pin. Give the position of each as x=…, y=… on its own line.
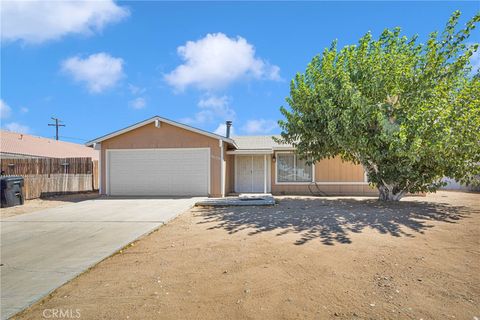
x=112, y=64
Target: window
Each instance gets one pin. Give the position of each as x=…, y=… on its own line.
x=291, y=168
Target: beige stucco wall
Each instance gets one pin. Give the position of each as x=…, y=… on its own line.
x=334, y=169
x=331, y=171
x=167, y=136
x=328, y=190
x=328, y=170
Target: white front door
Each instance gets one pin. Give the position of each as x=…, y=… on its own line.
x=258, y=173
x=252, y=173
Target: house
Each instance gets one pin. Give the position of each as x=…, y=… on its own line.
x=20, y=145
x=44, y=166
x=161, y=157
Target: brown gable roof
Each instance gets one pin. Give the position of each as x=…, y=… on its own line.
x=24, y=144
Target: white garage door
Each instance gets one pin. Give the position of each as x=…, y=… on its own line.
x=158, y=172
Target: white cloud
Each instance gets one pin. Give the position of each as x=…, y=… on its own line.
x=222, y=130
x=98, y=71
x=213, y=101
x=17, y=127
x=5, y=110
x=215, y=61
x=136, y=90
x=259, y=126
x=138, y=103
x=212, y=108
x=475, y=61
x=218, y=106
x=38, y=21
x=24, y=110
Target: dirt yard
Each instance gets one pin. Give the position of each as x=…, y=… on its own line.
x=305, y=258
x=50, y=202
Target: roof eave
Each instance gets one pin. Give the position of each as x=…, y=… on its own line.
x=287, y=148
x=251, y=151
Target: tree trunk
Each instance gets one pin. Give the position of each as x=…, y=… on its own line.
x=389, y=193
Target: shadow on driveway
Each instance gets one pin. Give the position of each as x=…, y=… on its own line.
x=331, y=220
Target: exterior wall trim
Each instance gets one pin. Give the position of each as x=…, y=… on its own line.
x=265, y=173
x=235, y=168
x=107, y=172
x=101, y=188
x=247, y=152
x=222, y=169
x=284, y=148
x=341, y=182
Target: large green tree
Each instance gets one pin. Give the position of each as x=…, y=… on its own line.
x=409, y=112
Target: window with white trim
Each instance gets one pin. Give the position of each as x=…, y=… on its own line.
x=292, y=168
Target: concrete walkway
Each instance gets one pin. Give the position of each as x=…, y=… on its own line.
x=40, y=251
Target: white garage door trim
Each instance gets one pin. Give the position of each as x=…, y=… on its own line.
x=109, y=151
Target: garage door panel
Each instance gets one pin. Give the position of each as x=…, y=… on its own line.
x=158, y=172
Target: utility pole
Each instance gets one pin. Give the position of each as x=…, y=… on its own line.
x=56, y=125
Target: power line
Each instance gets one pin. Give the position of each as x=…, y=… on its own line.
x=56, y=125
x=74, y=138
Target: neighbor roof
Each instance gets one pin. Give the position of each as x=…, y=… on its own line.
x=259, y=143
x=13, y=143
x=151, y=120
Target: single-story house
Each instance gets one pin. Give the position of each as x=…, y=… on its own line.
x=20, y=145
x=161, y=157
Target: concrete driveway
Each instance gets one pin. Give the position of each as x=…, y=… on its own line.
x=40, y=251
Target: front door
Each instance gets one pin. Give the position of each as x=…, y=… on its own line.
x=250, y=173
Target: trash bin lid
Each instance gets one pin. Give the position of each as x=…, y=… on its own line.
x=10, y=179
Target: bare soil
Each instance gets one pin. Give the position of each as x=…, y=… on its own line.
x=45, y=203
x=305, y=258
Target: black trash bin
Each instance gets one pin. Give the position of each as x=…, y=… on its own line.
x=11, y=191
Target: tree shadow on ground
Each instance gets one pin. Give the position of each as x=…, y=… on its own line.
x=333, y=220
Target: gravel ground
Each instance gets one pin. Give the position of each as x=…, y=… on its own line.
x=305, y=258
x=45, y=203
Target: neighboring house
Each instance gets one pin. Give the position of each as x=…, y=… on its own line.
x=161, y=157
x=19, y=145
x=452, y=184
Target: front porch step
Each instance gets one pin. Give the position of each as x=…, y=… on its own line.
x=250, y=196
x=247, y=199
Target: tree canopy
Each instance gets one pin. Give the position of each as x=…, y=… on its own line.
x=409, y=112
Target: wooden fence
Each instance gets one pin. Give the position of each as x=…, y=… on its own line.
x=48, y=176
